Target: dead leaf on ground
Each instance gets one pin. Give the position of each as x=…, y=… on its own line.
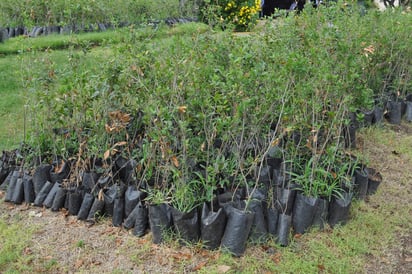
x=199, y=266
x=408, y=259
x=370, y=49
x=175, y=161
x=27, y=251
x=109, y=231
x=297, y=236
x=119, y=242
x=276, y=258
x=223, y=268
x=79, y=263
x=181, y=256
x=182, y=109
x=321, y=267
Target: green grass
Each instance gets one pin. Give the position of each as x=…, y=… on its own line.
x=11, y=103
x=14, y=238
x=23, y=44
x=14, y=95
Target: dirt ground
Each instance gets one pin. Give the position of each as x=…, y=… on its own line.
x=395, y=165
x=61, y=243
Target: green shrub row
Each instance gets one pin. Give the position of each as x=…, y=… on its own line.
x=205, y=109
x=82, y=12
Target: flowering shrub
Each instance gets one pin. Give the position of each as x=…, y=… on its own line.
x=239, y=13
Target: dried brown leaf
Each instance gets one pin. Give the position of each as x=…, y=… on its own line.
x=182, y=109
x=79, y=263
x=123, y=143
x=125, y=118
x=100, y=195
x=275, y=142
x=106, y=154
x=59, y=168
x=223, y=268
x=175, y=161
x=321, y=267
x=199, y=266
x=276, y=258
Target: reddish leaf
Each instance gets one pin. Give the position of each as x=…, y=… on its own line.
x=321, y=267
x=297, y=236
x=276, y=258
x=175, y=161
x=199, y=266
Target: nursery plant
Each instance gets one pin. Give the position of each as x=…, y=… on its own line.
x=199, y=112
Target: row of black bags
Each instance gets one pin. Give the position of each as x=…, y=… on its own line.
x=388, y=107
x=228, y=222
x=36, y=31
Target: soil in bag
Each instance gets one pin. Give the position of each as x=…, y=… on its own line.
x=374, y=180
x=41, y=196
x=89, y=180
x=377, y=115
x=361, y=184
x=186, y=225
x=59, y=199
x=28, y=189
x=408, y=111
x=321, y=213
x=74, y=201
x=237, y=230
x=48, y=201
x=40, y=177
x=118, y=212
x=5, y=184
x=131, y=198
x=283, y=230
x=11, y=186
x=286, y=198
x=303, y=213
x=131, y=218
x=85, y=207
x=394, y=112
x=96, y=210
x=142, y=220
x=212, y=227
x=258, y=231
x=160, y=220
x=272, y=215
x=339, y=210
x=18, y=193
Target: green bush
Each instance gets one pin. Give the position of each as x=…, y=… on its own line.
x=240, y=14
x=84, y=12
x=181, y=104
